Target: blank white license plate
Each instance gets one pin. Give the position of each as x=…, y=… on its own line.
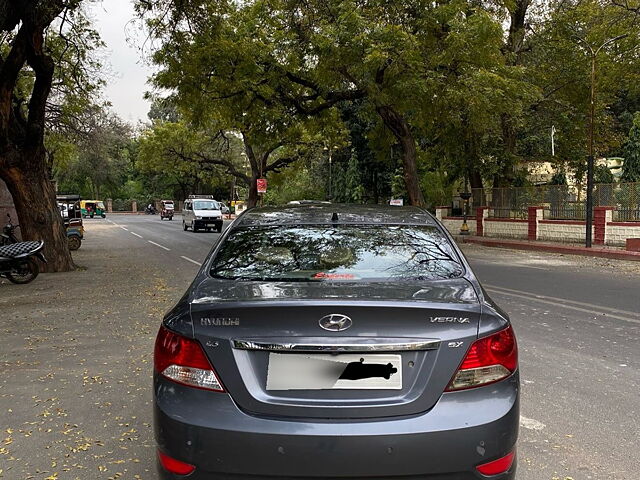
x=295, y=371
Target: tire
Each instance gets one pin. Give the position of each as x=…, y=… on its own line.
x=193, y=227
x=28, y=272
x=74, y=243
x=104, y=216
x=184, y=226
x=219, y=229
x=91, y=216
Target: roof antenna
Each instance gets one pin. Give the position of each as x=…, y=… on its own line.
x=334, y=217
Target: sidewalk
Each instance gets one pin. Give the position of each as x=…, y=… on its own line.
x=568, y=249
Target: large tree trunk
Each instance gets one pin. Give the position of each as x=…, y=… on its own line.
x=513, y=53
x=249, y=151
x=23, y=163
x=35, y=200
x=400, y=128
x=252, y=201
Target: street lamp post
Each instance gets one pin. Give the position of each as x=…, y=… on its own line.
x=590, y=159
x=329, y=150
x=330, y=180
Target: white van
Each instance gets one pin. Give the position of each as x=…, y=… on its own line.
x=201, y=212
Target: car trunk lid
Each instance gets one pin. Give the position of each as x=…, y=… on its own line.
x=254, y=333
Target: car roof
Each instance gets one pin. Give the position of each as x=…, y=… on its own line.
x=311, y=214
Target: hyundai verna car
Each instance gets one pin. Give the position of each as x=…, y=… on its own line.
x=336, y=342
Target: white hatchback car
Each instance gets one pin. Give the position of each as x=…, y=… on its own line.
x=201, y=212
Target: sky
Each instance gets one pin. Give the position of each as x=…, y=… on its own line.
x=127, y=73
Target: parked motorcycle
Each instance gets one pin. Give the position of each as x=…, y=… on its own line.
x=8, y=234
x=17, y=262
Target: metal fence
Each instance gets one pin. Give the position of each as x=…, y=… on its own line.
x=560, y=202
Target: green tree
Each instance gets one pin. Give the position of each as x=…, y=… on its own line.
x=188, y=159
x=101, y=160
x=631, y=165
x=31, y=75
x=559, y=62
x=220, y=65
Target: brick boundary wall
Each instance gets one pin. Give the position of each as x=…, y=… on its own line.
x=563, y=231
x=535, y=227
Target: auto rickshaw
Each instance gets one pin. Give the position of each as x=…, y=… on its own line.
x=167, y=209
x=71, y=213
x=75, y=232
x=91, y=208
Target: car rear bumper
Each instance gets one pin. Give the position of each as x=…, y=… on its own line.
x=463, y=430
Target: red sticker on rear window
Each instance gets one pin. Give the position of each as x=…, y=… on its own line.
x=335, y=276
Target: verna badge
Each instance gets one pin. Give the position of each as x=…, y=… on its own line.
x=449, y=319
x=335, y=322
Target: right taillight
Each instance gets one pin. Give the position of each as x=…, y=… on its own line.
x=489, y=359
x=182, y=360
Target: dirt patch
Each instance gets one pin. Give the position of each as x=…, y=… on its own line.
x=76, y=365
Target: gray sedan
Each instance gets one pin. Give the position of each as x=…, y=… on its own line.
x=336, y=342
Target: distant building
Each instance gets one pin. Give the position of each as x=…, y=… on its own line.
x=541, y=173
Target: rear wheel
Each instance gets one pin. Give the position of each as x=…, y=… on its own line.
x=26, y=272
x=74, y=243
x=184, y=226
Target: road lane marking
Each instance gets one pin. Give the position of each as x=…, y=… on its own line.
x=564, y=300
x=563, y=303
x=158, y=245
x=124, y=228
x=531, y=424
x=134, y=233
x=190, y=260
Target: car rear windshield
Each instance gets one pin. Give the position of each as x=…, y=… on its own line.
x=336, y=253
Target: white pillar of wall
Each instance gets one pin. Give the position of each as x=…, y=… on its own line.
x=539, y=216
x=608, y=218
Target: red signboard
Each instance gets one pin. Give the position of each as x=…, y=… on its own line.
x=262, y=185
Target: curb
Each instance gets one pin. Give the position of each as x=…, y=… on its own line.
x=552, y=248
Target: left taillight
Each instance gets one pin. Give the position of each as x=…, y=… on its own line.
x=183, y=360
x=489, y=359
x=172, y=465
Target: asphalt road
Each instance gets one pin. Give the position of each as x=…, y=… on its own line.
x=577, y=321
x=578, y=325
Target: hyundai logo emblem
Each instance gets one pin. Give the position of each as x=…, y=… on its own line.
x=335, y=322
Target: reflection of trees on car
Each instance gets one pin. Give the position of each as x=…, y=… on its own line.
x=305, y=253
